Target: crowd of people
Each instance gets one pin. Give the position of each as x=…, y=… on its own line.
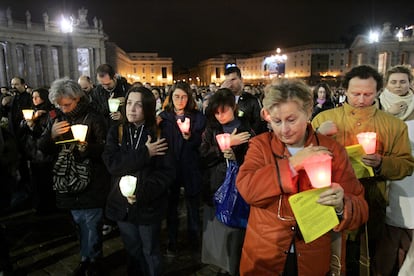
x=163, y=142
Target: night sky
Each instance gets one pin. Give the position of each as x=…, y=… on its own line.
x=190, y=30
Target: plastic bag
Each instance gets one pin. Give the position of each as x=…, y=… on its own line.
x=231, y=209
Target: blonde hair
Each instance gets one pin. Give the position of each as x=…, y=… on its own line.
x=283, y=91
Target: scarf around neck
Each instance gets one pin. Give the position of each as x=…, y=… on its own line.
x=388, y=98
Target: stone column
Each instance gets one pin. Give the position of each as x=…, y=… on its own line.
x=66, y=54
x=12, y=58
x=47, y=64
x=31, y=66
x=3, y=68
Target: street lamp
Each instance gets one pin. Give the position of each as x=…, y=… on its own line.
x=373, y=36
x=66, y=25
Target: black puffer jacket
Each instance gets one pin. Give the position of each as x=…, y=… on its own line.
x=94, y=195
x=154, y=174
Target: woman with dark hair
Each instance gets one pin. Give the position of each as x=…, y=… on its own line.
x=132, y=149
x=41, y=165
x=184, y=145
x=322, y=97
x=222, y=244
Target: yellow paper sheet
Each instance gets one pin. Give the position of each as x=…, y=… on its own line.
x=313, y=219
x=355, y=152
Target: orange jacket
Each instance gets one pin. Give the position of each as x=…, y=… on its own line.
x=267, y=235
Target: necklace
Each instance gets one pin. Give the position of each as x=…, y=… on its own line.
x=135, y=136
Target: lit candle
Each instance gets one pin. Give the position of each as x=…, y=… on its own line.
x=79, y=132
x=184, y=126
x=318, y=169
x=368, y=141
x=127, y=185
x=113, y=104
x=223, y=140
x=28, y=114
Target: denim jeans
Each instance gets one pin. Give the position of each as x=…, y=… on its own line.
x=142, y=243
x=89, y=223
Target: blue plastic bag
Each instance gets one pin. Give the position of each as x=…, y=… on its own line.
x=231, y=209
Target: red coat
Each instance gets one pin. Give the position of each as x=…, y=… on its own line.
x=268, y=236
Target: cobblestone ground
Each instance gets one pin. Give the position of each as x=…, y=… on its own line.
x=47, y=245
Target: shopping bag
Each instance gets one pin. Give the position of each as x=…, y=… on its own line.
x=231, y=209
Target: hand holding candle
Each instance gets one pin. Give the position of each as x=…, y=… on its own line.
x=318, y=169
x=113, y=104
x=368, y=141
x=28, y=114
x=79, y=132
x=127, y=185
x=184, y=126
x=223, y=141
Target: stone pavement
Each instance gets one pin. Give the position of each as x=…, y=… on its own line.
x=47, y=245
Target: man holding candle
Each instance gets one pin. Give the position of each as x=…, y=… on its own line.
x=392, y=158
x=273, y=170
x=110, y=86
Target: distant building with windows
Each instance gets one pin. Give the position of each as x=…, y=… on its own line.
x=142, y=67
x=314, y=62
x=387, y=48
x=211, y=70
x=43, y=52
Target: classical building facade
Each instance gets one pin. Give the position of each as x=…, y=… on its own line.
x=142, y=67
x=43, y=52
x=390, y=47
x=316, y=60
x=211, y=70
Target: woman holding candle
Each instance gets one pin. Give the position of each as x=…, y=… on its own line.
x=221, y=244
x=86, y=207
x=132, y=149
x=184, y=145
x=273, y=170
x=41, y=165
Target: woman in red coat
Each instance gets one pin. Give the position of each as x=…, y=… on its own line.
x=273, y=171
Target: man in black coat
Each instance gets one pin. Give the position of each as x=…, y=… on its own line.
x=248, y=104
x=111, y=86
